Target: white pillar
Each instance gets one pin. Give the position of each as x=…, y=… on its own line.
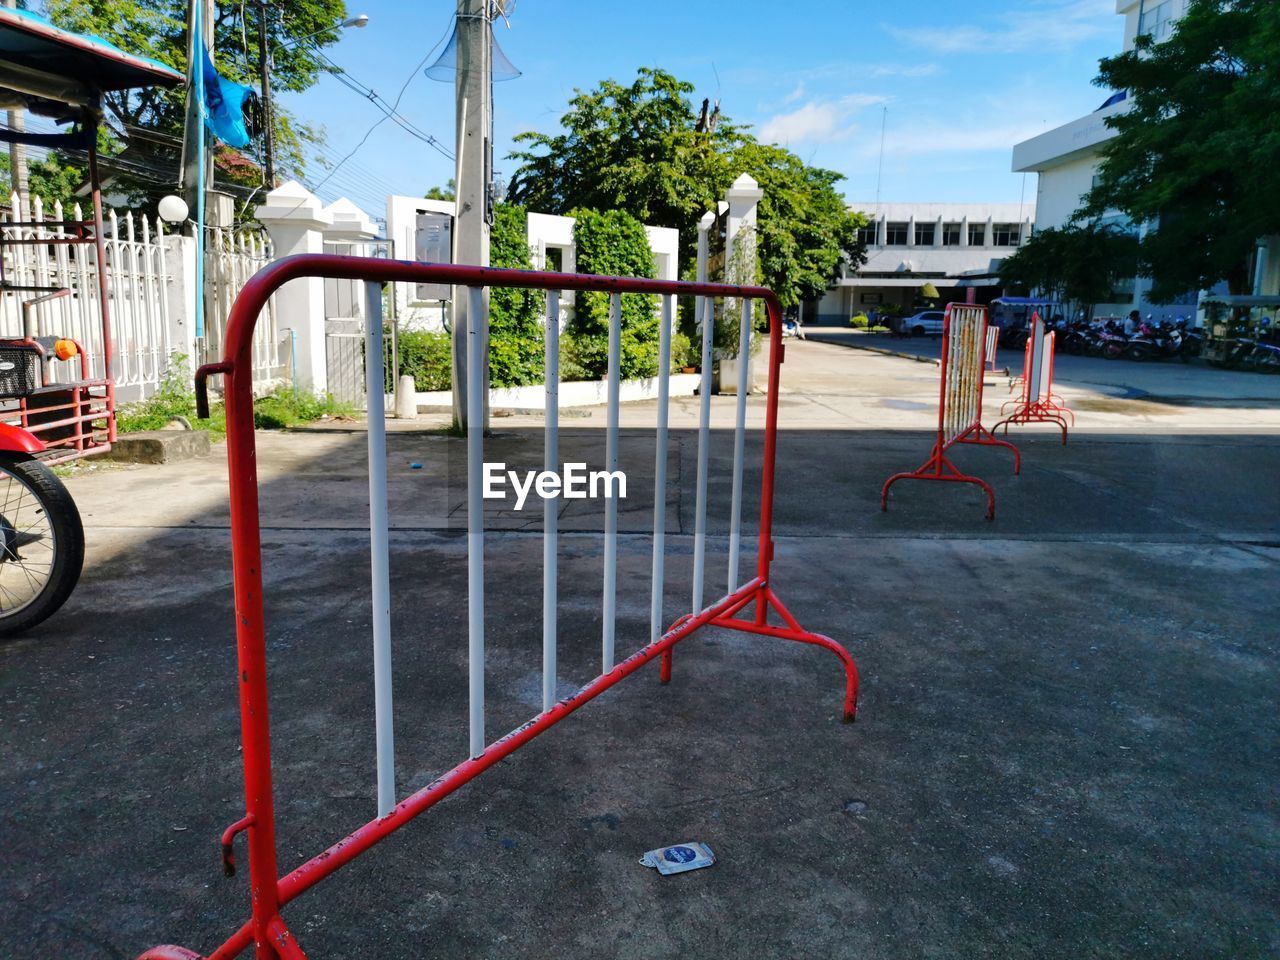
x=180, y=269
x=740, y=255
x=295, y=219
x=964, y=231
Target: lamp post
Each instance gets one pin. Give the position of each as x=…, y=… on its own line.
x=264, y=67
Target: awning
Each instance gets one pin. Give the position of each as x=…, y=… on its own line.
x=43, y=67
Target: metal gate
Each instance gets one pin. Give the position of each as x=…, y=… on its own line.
x=344, y=325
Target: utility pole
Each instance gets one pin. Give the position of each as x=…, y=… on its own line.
x=195, y=152
x=268, y=128
x=473, y=204
x=18, y=151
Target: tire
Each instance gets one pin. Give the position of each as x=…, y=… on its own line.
x=1137, y=353
x=38, y=519
x=917, y=331
x=1113, y=350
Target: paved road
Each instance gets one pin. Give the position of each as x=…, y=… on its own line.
x=1065, y=747
x=1196, y=382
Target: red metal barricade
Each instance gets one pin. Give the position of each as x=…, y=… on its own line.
x=964, y=340
x=747, y=607
x=1036, y=402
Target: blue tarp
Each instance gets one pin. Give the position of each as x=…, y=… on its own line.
x=224, y=106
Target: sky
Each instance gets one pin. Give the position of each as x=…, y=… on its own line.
x=955, y=84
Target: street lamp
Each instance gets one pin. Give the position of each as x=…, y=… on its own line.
x=264, y=65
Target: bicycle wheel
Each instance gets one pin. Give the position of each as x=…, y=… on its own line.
x=41, y=543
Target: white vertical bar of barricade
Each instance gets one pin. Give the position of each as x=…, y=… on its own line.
x=1034, y=360
x=475, y=520
x=993, y=342
x=379, y=550
x=660, y=471
x=550, y=528
x=611, y=502
x=739, y=440
x=1046, y=365
x=704, y=438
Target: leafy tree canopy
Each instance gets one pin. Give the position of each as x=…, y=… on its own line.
x=637, y=148
x=1078, y=263
x=1197, y=156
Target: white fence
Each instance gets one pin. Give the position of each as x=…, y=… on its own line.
x=231, y=257
x=138, y=279
x=147, y=289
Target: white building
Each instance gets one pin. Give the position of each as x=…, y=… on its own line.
x=1066, y=161
x=954, y=246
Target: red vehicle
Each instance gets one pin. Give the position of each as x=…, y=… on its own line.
x=54, y=406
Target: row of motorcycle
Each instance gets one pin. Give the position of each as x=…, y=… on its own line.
x=1150, y=340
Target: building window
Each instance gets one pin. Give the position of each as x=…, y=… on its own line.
x=895, y=234
x=1158, y=20
x=1005, y=235
x=867, y=235
x=924, y=234
x=951, y=234
x=977, y=234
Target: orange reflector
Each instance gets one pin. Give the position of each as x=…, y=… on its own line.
x=65, y=349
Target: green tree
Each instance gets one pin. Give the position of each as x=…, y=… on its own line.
x=442, y=193
x=158, y=29
x=1196, y=157
x=611, y=243
x=515, y=316
x=51, y=178
x=638, y=148
x=1078, y=263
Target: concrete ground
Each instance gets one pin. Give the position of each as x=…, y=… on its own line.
x=1065, y=747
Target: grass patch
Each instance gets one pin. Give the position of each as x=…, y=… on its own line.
x=176, y=398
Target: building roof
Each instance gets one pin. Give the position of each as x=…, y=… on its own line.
x=43, y=66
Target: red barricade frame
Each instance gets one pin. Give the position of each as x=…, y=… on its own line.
x=1046, y=406
x=266, y=929
x=939, y=466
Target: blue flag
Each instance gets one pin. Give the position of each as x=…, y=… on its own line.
x=224, y=105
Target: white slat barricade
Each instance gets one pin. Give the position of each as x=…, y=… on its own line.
x=964, y=351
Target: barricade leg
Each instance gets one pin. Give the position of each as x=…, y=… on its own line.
x=939, y=467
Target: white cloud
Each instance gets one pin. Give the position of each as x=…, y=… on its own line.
x=795, y=94
x=818, y=121
x=1049, y=24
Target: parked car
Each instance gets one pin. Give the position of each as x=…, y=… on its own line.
x=926, y=322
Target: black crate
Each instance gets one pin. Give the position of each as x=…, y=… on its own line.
x=19, y=372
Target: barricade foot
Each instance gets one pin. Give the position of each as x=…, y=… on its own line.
x=169, y=952
x=938, y=467
x=981, y=436
x=793, y=631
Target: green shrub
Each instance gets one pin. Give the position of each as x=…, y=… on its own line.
x=683, y=352
x=611, y=243
x=425, y=355
x=516, y=347
x=283, y=407
x=176, y=397
x=859, y=321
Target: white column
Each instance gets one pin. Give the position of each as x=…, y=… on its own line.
x=180, y=271
x=740, y=243
x=295, y=219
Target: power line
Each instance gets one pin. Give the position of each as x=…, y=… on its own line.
x=386, y=113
